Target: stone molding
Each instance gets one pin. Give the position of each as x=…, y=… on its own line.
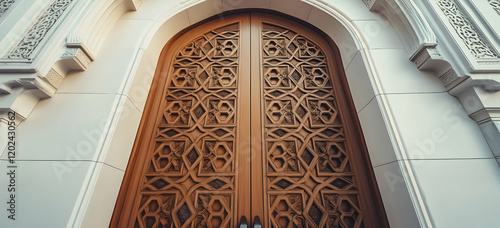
x=423, y=57
x=429, y=58
x=53, y=78
x=134, y=4
x=40, y=78
x=78, y=57
x=419, y=36
x=369, y=3
x=408, y=21
x=95, y=23
x=448, y=77
x=41, y=85
x=486, y=114
x=448, y=64
x=481, y=100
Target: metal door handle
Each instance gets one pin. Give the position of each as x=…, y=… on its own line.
x=244, y=222
x=256, y=222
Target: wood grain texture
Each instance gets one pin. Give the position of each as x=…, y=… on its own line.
x=310, y=181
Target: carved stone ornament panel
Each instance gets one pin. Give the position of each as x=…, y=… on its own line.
x=309, y=178
x=5, y=5
x=496, y=5
x=190, y=178
x=369, y=3
x=466, y=30
x=25, y=48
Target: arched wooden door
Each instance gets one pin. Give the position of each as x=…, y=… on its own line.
x=249, y=115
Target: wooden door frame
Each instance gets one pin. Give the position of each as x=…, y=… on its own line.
x=364, y=171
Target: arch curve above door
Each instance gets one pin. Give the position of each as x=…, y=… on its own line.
x=249, y=115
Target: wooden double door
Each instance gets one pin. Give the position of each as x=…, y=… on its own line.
x=249, y=115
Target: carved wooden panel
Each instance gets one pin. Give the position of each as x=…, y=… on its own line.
x=190, y=176
x=310, y=182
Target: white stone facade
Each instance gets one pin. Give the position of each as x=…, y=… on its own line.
x=424, y=76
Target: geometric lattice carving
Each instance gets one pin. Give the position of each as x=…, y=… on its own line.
x=156, y=210
x=332, y=157
x=217, y=157
x=178, y=113
x=275, y=48
x=277, y=76
x=282, y=158
x=307, y=162
x=38, y=31
x=316, y=77
x=184, y=77
x=322, y=112
x=190, y=179
x=214, y=209
x=168, y=157
x=286, y=209
x=223, y=77
x=221, y=112
x=466, y=30
x=280, y=113
x=342, y=209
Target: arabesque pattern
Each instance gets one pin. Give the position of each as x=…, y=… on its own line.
x=466, y=30
x=309, y=178
x=5, y=5
x=25, y=48
x=190, y=175
x=496, y=5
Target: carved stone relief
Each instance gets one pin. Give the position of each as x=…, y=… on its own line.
x=5, y=5
x=466, y=30
x=309, y=179
x=496, y=5
x=424, y=56
x=39, y=30
x=54, y=78
x=369, y=3
x=79, y=59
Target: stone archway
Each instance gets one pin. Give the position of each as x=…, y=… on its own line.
x=331, y=20
x=213, y=140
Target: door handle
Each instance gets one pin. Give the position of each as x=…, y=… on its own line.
x=256, y=222
x=244, y=222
